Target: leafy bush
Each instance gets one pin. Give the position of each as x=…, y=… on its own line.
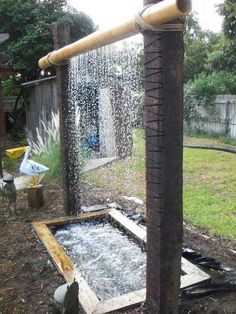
x=217, y=83
x=10, y=165
x=202, y=92
x=10, y=87
x=191, y=103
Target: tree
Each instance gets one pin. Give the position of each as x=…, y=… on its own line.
x=228, y=10
x=223, y=57
x=29, y=23
x=210, y=63
x=198, y=44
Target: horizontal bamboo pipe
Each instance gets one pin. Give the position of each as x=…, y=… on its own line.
x=154, y=15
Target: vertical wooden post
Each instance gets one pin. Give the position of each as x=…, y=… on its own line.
x=1, y=168
x=35, y=196
x=68, y=138
x=2, y=128
x=163, y=57
x=2, y=116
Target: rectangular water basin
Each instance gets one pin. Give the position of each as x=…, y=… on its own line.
x=107, y=282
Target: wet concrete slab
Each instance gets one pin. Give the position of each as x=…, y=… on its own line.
x=93, y=164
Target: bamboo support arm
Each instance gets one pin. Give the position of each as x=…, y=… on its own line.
x=154, y=15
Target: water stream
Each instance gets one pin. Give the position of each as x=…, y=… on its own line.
x=109, y=260
x=105, y=99
x=105, y=91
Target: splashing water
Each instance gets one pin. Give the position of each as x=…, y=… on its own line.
x=103, y=88
x=109, y=260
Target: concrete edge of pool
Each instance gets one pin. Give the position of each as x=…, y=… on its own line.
x=87, y=297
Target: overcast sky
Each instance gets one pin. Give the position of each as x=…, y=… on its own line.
x=106, y=13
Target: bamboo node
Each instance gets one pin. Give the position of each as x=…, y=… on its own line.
x=54, y=63
x=142, y=26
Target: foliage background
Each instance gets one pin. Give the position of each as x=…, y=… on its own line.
x=29, y=24
x=210, y=62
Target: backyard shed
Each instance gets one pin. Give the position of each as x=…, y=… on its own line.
x=98, y=117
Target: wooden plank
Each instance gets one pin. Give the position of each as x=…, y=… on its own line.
x=88, y=299
x=190, y=280
x=69, y=219
x=62, y=261
x=187, y=267
x=65, y=266
x=193, y=274
x=122, y=302
x=87, y=296
x=128, y=224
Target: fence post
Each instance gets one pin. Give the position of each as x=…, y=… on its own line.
x=163, y=120
x=69, y=146
x=227, y=118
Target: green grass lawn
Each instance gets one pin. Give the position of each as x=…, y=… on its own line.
x=210, y=140
x=210, y=191
x=209, y=185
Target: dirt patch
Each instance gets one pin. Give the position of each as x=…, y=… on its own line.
x=28, y=278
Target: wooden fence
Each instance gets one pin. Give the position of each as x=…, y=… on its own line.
x=41, y=102
x=9, y=103
x=223, y=121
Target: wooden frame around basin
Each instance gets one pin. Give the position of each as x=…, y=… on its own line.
x=88, y=299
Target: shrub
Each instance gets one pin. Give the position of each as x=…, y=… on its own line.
x=51, y=159
x=202, y=92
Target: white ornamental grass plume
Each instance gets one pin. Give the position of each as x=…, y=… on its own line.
x=44, y=144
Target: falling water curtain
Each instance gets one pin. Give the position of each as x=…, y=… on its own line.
x=68, y=138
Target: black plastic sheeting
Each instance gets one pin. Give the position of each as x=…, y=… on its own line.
x=223, y=279
x=203, y=290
